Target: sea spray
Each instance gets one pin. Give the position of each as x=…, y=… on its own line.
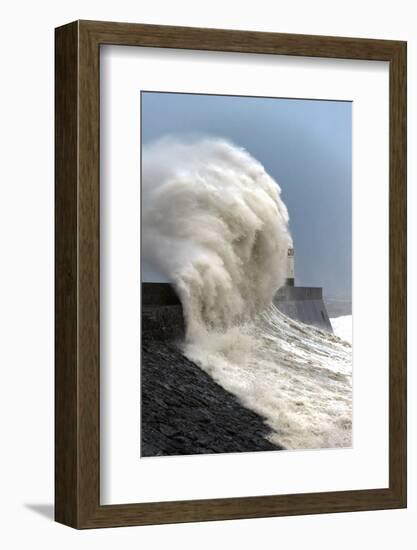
x=214, y=223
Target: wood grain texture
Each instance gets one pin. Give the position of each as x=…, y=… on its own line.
x=78, y=285
x=66, y=237
x=398, y=273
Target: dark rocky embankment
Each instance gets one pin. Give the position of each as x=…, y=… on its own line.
x=183, y=410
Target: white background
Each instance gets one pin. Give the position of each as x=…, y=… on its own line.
x=26, y=290
x=125, y=478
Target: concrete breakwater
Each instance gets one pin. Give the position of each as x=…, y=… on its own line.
x=162, y=316
x=304, y=304
x=183, y=410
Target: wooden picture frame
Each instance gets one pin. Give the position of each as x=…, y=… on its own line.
x=77, y=372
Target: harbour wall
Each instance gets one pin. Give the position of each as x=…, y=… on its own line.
x=303, y=304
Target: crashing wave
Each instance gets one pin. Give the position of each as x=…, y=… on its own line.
x=214, y=223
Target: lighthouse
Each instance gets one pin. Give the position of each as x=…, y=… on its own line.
x=301, y=303
x=290, y=275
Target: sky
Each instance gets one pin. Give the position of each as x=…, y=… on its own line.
x=305, y=145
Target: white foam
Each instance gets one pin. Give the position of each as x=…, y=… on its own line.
x=342, y=327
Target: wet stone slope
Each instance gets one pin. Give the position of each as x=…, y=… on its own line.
x=183, y=410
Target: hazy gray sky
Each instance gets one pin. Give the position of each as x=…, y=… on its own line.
x=305, y=145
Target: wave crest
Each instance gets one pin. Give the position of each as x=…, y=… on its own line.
x=215, y=225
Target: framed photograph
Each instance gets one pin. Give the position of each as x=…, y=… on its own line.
x=230, y=274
